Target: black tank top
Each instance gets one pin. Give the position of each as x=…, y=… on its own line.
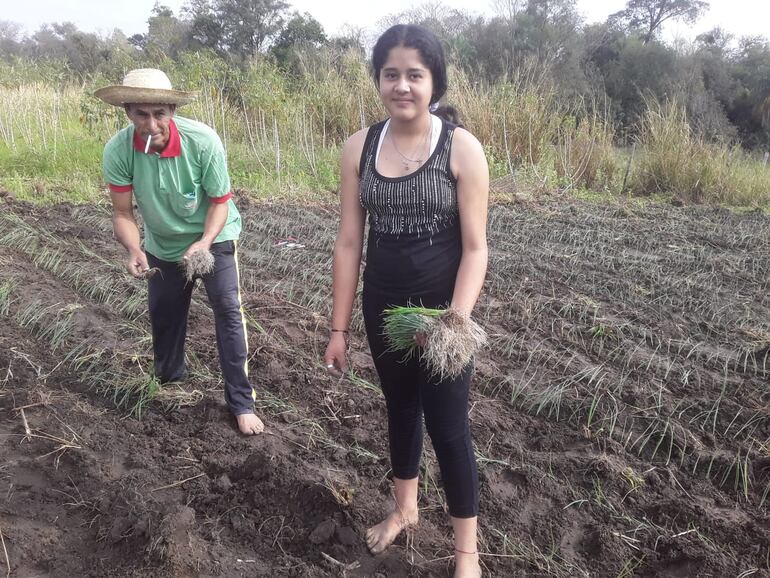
x=414, y=245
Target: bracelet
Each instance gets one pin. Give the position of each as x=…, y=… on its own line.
x=345, y=331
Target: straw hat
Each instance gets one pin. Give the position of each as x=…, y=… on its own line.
x=144, y=86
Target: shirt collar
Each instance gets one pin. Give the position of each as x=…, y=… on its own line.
x=173, y=147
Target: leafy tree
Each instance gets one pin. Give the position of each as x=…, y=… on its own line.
x=83, y=52
x=750, y=110
x=349, y=39
x=451, y=26
x=647, y=16
x=712, y=57
x=486, y=49
x=302, y=31
x=603, y=44
x=10, y=39
x=641, y=71
x=549, y=32
x=205, y=27
x=434, y=15
x=166, y=34
x=248, y=25
x=138, y=41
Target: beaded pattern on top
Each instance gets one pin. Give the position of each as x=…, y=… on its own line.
x=422, y=202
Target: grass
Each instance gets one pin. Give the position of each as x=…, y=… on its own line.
x=46, y=149
x=402, y=323
x=545, y=562
x=6, y=296
x=674, y=160
x=450, y=339
x=283, y=134
x=354, y=378
x=103, y=282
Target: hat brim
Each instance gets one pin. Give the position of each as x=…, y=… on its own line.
x=119, y=95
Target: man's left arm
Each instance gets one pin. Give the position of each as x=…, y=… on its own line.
x=216, y=185
x=216, y=218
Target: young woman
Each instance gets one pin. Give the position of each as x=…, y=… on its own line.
x=424, y=184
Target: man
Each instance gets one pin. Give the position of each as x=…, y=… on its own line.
x=177, y=171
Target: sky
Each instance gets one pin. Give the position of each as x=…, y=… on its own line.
x=738, y=17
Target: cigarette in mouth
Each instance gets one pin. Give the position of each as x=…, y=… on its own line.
x=147, y=146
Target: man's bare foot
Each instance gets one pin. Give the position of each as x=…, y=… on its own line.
x=383, y=534
x=467, y=564
x=249, y=424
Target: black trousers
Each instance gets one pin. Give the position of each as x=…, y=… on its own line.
x=169, y=295
x=411, y=393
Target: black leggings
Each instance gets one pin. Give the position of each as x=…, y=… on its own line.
x=410, y=391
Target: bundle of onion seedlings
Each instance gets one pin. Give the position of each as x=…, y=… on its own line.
x=197, y=264
x=450, y=339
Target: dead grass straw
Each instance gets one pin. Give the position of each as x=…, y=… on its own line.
x=5, y=552
x=27, y=431
x=179, y=483
x=344, y=567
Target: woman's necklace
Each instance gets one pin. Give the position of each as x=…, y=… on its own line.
x=420, y=148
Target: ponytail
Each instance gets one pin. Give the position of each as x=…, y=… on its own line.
x=448, y=113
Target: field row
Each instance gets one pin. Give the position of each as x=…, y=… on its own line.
x=584, y=403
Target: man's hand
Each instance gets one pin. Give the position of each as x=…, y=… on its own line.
x=136, y=264
x=197, y=246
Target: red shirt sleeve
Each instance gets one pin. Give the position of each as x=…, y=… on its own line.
x=222, y=199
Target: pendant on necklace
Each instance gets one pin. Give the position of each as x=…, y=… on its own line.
x=407, y=168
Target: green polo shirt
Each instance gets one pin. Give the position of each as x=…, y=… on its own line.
x=173, y=188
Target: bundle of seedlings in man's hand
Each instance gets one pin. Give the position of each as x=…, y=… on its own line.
x=150, y=272
x=197, y=264
x=449, y=338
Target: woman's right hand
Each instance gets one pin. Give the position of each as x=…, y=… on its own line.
x=335, y=357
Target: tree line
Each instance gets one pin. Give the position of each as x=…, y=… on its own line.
x=616, y=67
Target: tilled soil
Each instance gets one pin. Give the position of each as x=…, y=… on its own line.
x=621, y=413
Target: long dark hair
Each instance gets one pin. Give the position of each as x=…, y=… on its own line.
x=431, y=54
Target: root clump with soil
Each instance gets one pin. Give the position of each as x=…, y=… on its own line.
x=197, y=264
x=449, y=338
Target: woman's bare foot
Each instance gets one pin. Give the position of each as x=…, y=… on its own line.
x=249, y=424
x=467, y=564
x=383, y=534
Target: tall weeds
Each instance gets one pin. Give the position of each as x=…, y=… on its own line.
x=584, y=153
x=675, y=160
x=283, y=129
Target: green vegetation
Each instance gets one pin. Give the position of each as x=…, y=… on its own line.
x=557, y=103
x=676, y=161
x=283, y=136
x=401, y=324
